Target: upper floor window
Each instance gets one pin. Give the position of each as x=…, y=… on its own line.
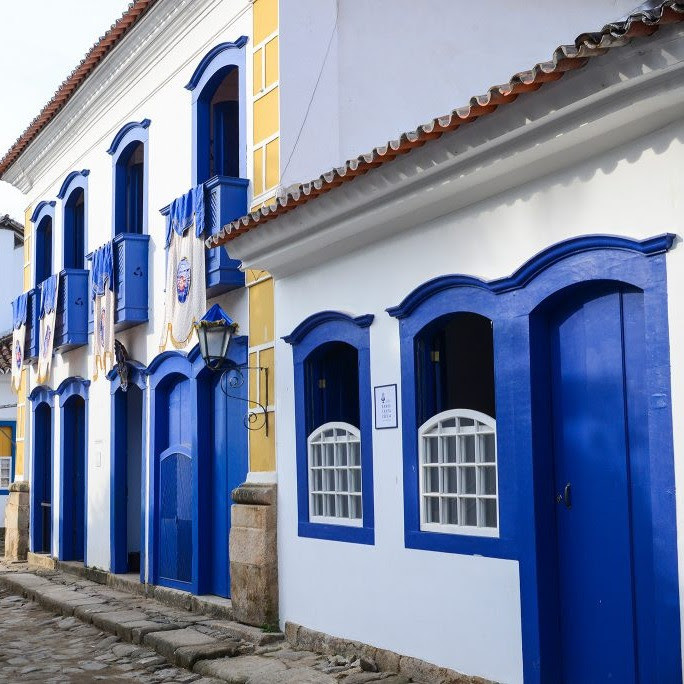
x=43, y=220
x=333, y=416
x=454, y=359
x=217, y=87
x=73, y=194
x=129, y=152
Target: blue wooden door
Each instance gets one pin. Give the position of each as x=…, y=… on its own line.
x=592, y=490
x=41, y=519
x=176, y=490
x=76, y=485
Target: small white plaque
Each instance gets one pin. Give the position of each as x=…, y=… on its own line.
x=385, y=407
x=97, y=460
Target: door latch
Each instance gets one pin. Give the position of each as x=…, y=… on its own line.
x=566, y=496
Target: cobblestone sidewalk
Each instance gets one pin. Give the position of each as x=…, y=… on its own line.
x=101, y=634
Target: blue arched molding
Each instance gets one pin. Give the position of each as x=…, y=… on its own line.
x=131, y=133
x=218, y=59
x=40, y=395
x=43, y=208
x=118, y=463
x=309, y=335
x=73, y=176
x=213, y=54
x=532, y=268
x=162, y=369
x=71, y=387
x=76, y=180
x=321, y=318
x=513, y=305
x=128, y=132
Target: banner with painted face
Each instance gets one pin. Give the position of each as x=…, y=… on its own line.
x=48, y=312
x=18, y=338
x=103, y=308
x=186, y=295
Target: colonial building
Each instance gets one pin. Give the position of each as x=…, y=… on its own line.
x=490, y=297
x=479, y=349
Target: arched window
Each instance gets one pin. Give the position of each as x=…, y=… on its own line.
x=334, y=439
x=73, y=194
x=456, y=421
x=218, y=88
x=129, y=153
x=334, y=427
x=43, y=220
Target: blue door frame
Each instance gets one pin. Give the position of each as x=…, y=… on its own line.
x=527, y=527
x=118, y=505
x=214, y=468
x=73, y=471
x=41, y=470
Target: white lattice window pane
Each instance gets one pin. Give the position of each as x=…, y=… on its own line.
x=5, y=470
x=335, y=480
x=458, y=473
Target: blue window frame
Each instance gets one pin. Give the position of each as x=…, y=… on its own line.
x=129, y=151
x=331, y=352
x=7, y=453
x=218, y=113
x=520, y=307
x=74, y=194
x=43, y=219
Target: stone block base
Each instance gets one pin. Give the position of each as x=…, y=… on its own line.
x=377, y=658
x=253, y=555
x=17, y=522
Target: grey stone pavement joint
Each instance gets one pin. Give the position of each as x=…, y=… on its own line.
x=103, y=634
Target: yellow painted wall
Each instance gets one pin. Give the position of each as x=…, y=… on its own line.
x=266, y=159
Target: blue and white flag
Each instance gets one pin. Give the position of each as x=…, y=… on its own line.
x=186, y=295
x=18, y=338
x=103, y=305
x=48, y=311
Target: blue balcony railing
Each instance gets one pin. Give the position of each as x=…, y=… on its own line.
x=225, y=199
x=71, y=321
x=131, y=269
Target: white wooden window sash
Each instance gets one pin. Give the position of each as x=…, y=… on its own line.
x=458, y=474
x=5, y=471
x=334, y=465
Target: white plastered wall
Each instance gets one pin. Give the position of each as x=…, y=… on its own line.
x=458, y=611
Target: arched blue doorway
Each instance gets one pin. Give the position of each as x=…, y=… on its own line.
x=199, y=454
x=73, y=477
x=127, y=493
x=41, y=485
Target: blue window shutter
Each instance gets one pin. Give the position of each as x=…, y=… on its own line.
x=226, y=140
x=134, y=198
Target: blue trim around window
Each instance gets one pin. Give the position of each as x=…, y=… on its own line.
x=74, y=249
x=118, y=509
x=209, y=73
x=512, y=304
x=44, y=245
x=123, y=143
x=41, y=395
x=13, y=452
x=317, y=330
x=72, y=387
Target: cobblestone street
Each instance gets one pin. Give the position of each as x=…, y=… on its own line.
x=37, y=646
x=56, y=628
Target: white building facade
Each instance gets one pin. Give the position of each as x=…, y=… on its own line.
x=479, y=362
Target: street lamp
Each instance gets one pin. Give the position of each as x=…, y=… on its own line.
x=215, y=331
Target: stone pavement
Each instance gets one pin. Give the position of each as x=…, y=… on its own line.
x=56, y=627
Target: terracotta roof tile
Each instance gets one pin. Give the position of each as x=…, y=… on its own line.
x=644, y=21
x=76, y=78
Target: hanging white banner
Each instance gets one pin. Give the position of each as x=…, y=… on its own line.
x=48, y=310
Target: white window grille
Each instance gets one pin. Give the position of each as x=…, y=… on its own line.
x=458, y=474
x=5, y=472
x=334, y=452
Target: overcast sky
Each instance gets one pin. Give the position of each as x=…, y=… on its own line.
x=42, y=42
